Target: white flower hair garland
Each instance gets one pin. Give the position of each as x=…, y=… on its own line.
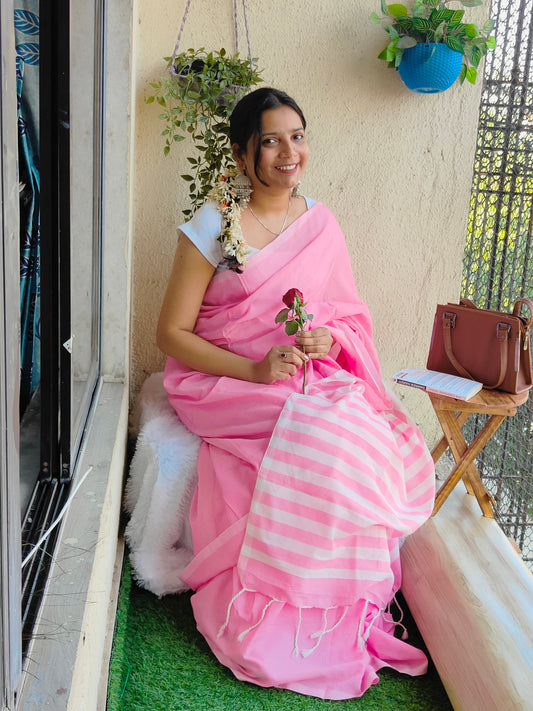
x=234, y=248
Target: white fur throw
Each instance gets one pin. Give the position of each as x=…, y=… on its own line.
x=159, y=490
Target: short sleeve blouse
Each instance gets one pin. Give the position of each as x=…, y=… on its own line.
x=204, y=228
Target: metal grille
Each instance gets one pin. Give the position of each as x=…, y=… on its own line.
x=498, y=261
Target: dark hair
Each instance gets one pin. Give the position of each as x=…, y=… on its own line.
x=246, y=118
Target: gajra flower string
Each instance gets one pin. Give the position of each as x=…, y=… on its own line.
x=234, y=247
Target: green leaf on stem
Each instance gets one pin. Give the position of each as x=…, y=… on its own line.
x=397, y=10
x=291, y=328
x=282, y=316
x=471, y=75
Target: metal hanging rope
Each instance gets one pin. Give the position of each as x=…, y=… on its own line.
x=236, y=30
x=247, y=35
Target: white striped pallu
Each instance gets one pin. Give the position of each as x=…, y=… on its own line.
x=339, y=485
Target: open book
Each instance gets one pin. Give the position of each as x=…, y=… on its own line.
x=439, y=383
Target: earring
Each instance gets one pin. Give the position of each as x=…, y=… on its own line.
x=295, y=192
x=242, y=186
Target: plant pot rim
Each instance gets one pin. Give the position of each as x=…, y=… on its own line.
x=430, y=44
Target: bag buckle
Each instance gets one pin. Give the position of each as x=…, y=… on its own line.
x=448, y=319
x=502, y=331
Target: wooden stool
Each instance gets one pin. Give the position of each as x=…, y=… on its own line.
x=452, y=415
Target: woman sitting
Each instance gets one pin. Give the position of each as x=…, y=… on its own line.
x=302, y=497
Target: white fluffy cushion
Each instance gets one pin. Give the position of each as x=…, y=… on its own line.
x=159, y=490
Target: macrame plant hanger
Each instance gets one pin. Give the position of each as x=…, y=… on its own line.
x=235, y=26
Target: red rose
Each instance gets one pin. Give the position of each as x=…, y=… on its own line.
x=290, y=296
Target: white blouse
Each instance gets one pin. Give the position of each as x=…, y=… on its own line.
x=204, y=228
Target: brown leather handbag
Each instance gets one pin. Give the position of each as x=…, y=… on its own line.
x=491, y=347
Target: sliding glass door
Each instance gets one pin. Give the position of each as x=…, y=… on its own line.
x=86, y=187
x=70, y=101
x=50, y=263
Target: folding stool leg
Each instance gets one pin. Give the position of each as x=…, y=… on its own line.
x=458, y=445
x=443, y=445
x=464, y=456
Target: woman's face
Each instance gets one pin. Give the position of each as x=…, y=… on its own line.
x=284, y=151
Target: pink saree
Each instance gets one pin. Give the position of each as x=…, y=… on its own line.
x=301, y=499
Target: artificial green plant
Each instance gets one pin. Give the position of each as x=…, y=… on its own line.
x=197, y=96
x=432, y=21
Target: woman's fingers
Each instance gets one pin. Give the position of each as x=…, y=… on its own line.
x=290, y=355
x=317, y=342
x=280, y=363
x=286, y=361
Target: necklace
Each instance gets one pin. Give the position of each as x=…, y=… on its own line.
x=276, y=234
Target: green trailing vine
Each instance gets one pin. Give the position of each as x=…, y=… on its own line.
x=197, y=97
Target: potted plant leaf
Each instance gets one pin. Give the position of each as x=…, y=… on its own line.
x=197, y=96
x=431, y=44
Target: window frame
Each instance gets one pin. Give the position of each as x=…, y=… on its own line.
x=10, y=556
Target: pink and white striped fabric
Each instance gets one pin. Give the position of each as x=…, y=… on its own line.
x=337, y=483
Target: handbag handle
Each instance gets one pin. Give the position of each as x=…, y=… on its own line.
x=517, y=308
x=466, y=302
x=527, y=324
x=448, y=322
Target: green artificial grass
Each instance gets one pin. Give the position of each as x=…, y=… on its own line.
x=160, y=662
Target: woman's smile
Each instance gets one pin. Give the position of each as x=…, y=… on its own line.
x=287, y=168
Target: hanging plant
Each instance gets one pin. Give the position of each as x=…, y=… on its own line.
x=432, y=22
x=197, y=96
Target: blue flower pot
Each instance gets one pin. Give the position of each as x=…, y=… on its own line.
x=430, y=68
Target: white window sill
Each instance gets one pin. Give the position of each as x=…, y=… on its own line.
x=69, y=651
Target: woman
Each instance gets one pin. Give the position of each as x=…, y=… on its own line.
x=301, y=498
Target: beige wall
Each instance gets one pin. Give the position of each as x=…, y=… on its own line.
x=394, y=166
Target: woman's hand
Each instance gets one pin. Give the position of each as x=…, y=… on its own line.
x=317, y=342
x=280, y=363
